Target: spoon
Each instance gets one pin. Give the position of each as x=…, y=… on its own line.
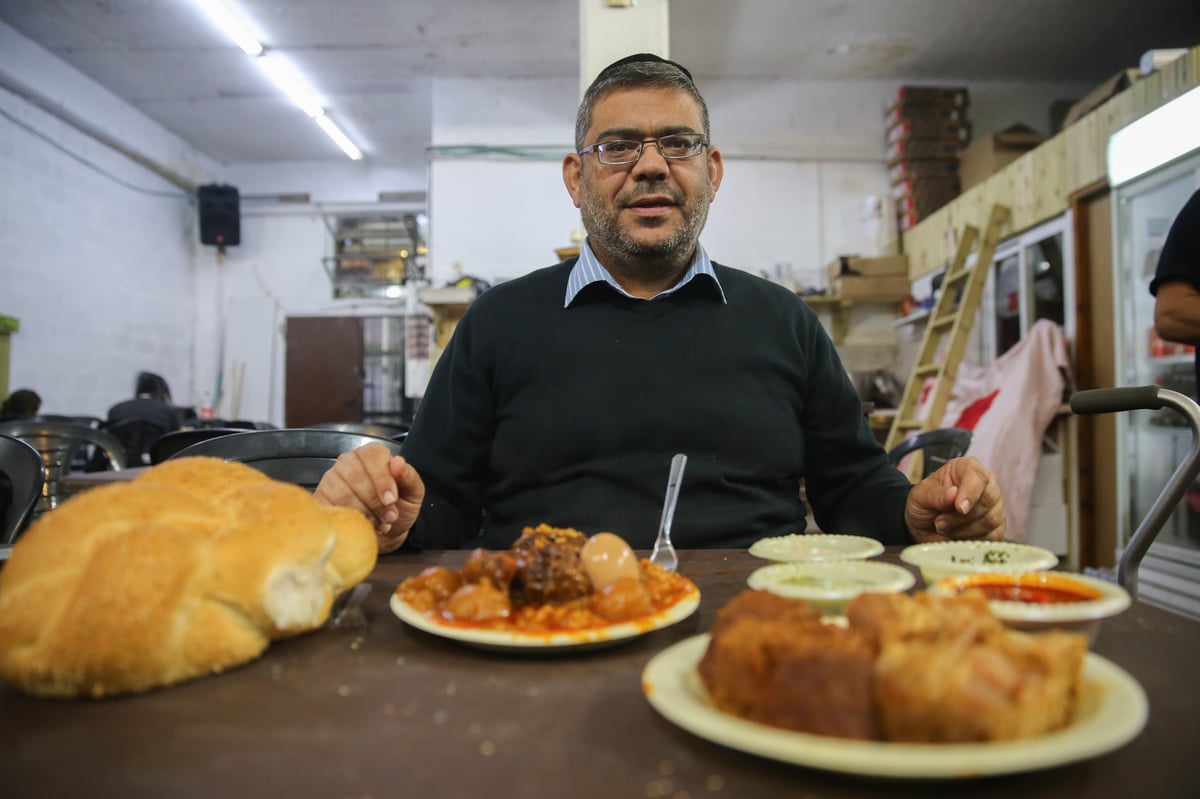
x=664, y=553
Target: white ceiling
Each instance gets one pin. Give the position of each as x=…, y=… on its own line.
x=372, y=60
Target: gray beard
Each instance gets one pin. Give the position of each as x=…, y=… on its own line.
x=641, y=261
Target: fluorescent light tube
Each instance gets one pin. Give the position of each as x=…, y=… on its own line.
x=1166, y=133
x=289, y=80
x=230, y=25
x=279, y=70
x=335, y=133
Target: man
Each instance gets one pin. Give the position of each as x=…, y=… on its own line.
x=151, y=403
x=563, y=394
x=1176, y=283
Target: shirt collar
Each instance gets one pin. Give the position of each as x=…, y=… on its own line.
x=588, y=270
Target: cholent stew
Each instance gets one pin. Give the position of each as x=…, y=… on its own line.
x=551, y=579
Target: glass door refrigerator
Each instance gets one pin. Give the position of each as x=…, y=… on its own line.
x=1151, y=444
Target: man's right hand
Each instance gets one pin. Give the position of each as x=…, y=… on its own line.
x=381, y=485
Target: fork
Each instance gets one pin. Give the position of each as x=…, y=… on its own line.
x=664, y=553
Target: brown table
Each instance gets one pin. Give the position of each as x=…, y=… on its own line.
x=389, y=711
x=75, y=482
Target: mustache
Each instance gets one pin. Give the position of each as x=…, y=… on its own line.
x=649, y=190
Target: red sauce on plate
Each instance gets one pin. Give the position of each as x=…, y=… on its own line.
x=1034, y=593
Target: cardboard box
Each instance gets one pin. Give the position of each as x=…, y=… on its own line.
x=935, y=169
x=922, y=150
x=924, y=115
x=927, y=188
x=989, y=154
x=930, y=130
x=922, y=204
x=871, y=287
x=855, y=266
x=926, y=96
x=1098, y=96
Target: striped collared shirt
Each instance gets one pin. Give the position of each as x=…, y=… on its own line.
x=588, y=270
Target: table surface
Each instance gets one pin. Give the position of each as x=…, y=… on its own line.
x=386, y=710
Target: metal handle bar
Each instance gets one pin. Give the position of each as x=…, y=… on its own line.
x=1111, y=400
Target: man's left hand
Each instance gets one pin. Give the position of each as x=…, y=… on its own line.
x=960, y=500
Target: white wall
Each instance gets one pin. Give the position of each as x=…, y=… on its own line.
x=97, y=273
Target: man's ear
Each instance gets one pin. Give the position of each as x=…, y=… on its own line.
x=572, y=175
x=716, y=170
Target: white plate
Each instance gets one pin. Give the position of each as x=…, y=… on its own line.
x=951, y=558
x=830, y=585
x=548, y=643
x=817, y=546
x=1112, y=713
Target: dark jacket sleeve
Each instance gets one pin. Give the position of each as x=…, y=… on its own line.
x=849, y=483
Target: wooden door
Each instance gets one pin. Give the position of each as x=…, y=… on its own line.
x=1091, y=209
x=323, y=380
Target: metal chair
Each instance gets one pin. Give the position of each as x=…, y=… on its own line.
x=136, y=435
x=1151, y=398
x=380, y=429
x=93, y=422
x=240, y=424
x=22, y=474
x=293, y=455
x=937, y=446
x=166, y=445
x=60, y=444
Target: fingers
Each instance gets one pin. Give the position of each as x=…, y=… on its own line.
x=389, y=541
x=961, y=500
x=384, y=487
x=362, y=479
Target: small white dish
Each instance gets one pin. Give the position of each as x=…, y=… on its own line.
x=830, y=585
x=952, y=558
x=808, y=547
x=1036, y=601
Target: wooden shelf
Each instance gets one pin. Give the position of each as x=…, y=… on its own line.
x=912, y=318
x=837, y=304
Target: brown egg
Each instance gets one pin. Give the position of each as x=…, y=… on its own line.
x=606, y=557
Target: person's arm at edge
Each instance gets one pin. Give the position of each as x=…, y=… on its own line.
x=1177, y=312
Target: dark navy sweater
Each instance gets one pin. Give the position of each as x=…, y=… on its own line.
x=569, y=416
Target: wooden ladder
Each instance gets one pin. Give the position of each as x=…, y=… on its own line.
x=947, y=330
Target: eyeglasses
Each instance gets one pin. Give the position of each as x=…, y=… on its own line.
x=627, y=151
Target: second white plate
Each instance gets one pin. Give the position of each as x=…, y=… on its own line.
x=1112, y=712
x=815, y=547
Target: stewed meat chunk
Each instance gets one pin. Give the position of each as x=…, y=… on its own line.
x=549, y=568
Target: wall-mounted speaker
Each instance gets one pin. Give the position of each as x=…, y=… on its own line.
x=220, y=215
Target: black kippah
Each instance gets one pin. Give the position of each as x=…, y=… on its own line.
x=642, y=57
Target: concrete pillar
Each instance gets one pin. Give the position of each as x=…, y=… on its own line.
x=613, y=29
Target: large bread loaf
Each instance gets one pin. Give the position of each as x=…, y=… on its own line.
x=191, y=568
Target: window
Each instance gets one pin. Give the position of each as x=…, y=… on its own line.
x=1030, y=280
x=376, y=254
